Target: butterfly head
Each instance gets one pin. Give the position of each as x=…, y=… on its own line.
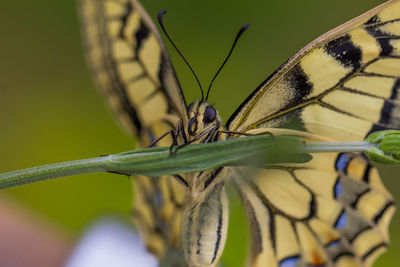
x=203, y=121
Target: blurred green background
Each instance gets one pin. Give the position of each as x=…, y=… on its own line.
x=51, y=112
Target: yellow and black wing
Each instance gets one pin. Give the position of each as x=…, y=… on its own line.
x=342, y=86
x=130, y=65
x=332, y=211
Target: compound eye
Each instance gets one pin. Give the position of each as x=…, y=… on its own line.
x=192, y=126
x=209, y=114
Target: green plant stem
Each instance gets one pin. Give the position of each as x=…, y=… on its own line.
x=191, y=158
x=336, y=147
x=49, y=171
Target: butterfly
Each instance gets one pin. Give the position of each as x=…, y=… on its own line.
x=331, y=211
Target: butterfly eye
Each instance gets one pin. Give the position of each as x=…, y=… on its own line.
x=192, y=127
x=209, y=115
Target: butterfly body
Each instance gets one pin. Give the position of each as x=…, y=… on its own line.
x=330, y=211
x=203, y=193
x=205, y=216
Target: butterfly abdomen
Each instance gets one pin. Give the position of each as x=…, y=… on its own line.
x=205, y=228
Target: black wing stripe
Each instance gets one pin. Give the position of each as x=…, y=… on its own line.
x=212, y=177
x=381, y=37
x=382, y=212
x=373, y=249
x=344, y=51
x=359, y=196
x=358, y=233
x=219, y=233
x=141, y=34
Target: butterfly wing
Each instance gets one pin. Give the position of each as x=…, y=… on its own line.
x=332, y=211
x=343, y=85
x=130, y=65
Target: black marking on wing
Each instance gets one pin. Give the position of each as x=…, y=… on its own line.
x=366, y=174
x=181, y=180
x=381, y=37
x=141, y=34
x=379, y=215
x=342, y=254
x=268, y=204
x=372, y=74
x=272, y=230
x=172, y=197
x=219, y=229
x=357, y=234
x=212, y=177
x=358, y=197
x=383, y=124
x=373, y=20
x=124, y=19
x=369, y=252
x=127, y=106
x=118, y=85
x=297, y=79
x=344, y=51
x=256, y=231
x=300, y=83
x=395, y=89
x=274, y=209
x=391, y=100
x=388, y=107
x=386, y=113
x=313, y=202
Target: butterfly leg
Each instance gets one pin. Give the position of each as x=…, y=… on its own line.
x=179, y=131
x=174, y=134
x=206, y=140
x=171, y=132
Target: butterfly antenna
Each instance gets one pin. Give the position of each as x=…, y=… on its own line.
x=160, y=16
x=242, y=29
